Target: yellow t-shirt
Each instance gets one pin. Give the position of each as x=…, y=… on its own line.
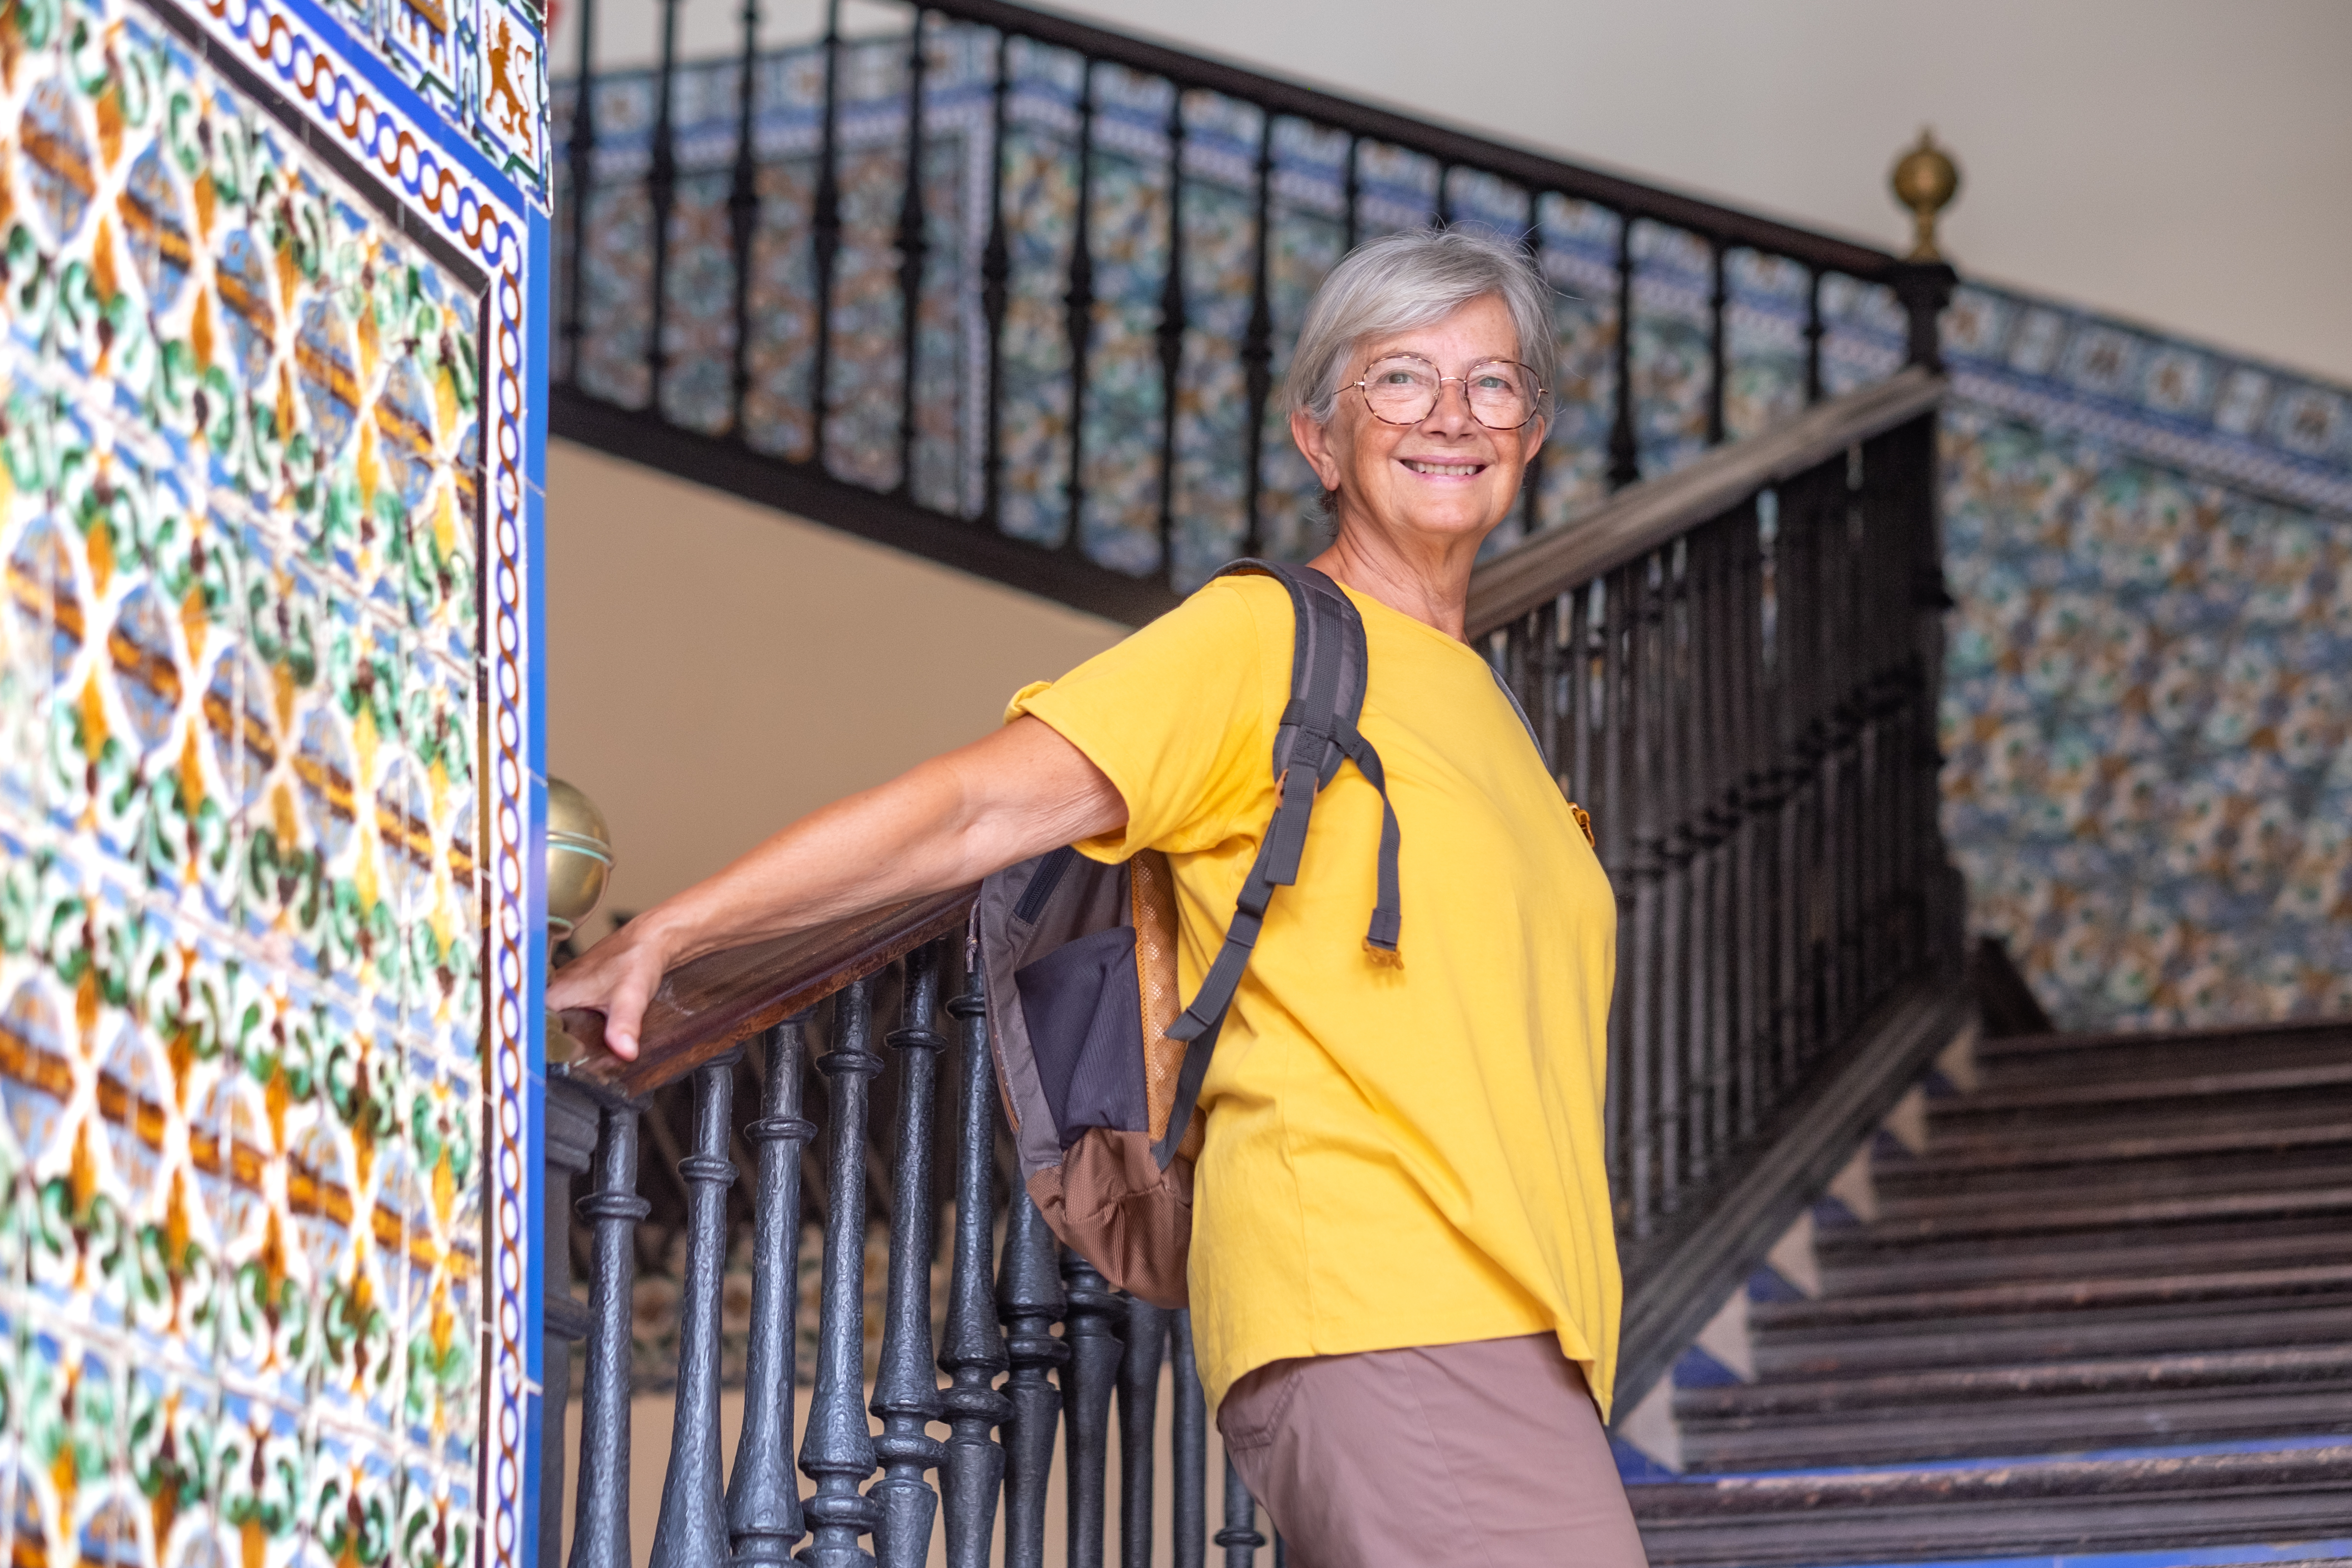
x=1396, y=1156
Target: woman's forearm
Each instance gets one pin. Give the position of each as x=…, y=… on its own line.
x=947, y=822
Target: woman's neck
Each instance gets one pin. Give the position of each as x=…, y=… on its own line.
x=1432, y=584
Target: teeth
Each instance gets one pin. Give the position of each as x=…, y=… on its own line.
x=1450, y=470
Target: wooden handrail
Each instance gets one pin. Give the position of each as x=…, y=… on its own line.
x=706, y=1005
x=1641, y=518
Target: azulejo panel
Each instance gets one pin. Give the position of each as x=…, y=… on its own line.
x=242, y=1010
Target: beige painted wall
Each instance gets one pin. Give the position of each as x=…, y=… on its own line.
x=715, y=670
x=2183, y=161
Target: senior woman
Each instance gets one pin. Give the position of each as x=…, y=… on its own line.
x=1403, y=1279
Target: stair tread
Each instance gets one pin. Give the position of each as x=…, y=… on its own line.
x=2147, y=1373
x=2006, y=1509
x=1851, y=1351
x=2056, y=1295
x=2030, y=1219
x=2120, y=1090
x=2052, y=1426
x=1954, y=1152
x=2025, y=1047
x=2083, y=1256
x=1906, y=1191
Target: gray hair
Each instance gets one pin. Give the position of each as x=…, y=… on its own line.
x=1409, y=280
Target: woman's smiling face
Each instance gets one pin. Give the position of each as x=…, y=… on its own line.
x=1448, y=479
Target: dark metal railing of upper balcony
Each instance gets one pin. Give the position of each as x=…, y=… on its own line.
x=1016, y=292
x=1733, y=668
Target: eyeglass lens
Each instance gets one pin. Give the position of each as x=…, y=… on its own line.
x=1403, y=389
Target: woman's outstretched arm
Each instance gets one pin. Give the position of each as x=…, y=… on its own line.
x=1020, y=792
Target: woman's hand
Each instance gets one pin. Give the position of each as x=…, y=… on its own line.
x=1019, y=792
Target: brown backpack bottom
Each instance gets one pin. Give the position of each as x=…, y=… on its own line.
x=1110, y=1200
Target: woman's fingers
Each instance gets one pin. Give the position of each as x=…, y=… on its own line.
x=617, y=977
x=625, y=1011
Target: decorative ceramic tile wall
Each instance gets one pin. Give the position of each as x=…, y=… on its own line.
x=262, y=1097
x=2148, y=711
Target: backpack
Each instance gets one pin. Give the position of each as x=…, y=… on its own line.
x=1099, y=1069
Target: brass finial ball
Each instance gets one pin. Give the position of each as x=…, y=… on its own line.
x=1925, y=180
x=579, y=857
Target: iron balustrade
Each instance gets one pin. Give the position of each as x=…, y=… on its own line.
x=1018, y=293
x=1732, y=669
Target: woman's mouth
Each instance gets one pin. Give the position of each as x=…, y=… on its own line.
x=1442, y=470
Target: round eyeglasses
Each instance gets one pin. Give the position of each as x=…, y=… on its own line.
x=1403, y=389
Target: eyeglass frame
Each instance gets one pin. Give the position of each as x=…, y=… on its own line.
x=1535, y=399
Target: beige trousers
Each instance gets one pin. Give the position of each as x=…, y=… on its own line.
x=1485, y=1455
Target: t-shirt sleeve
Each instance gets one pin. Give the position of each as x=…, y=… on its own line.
x=1176, y=717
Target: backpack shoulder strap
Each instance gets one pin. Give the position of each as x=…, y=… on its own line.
x=1317, y=733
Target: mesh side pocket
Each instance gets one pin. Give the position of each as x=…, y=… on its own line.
x=1083, y=1006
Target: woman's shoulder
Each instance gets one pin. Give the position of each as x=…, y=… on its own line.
x=1226, y=619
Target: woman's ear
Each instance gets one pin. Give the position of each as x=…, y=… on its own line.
x=1314, y=442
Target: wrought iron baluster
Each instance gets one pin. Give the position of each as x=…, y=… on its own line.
x=1239, y=1537
x=1189, y=1443
x=1628, y=1145
x=995, y=285
x=743, y=212
x=1079, y=302
x=763, y=1502
x=1551, y=630
x=1713, y=740
x=1670, y=689
x=580, y=161
x=600, y=1531
x=1091, y=1331
x=1719, y=308
x=913, y=246
x=1531, y=482
x=972, y=1468
x=825, y=234
x=691, y=1529
x=1649, y=1091
x=1028, y=1301
x=1744, y=695
x=1624, y=437
x=1351, y=197
x=570, y=1126
x=1813, y=331
x=1172, y=329
x=838, y=1453
x=661, y=195
x=906, y=1390
x=1257, y=343
x=1138, y=1426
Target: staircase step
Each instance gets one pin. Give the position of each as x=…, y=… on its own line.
x=1898, y=1430
x=2314, y=1282
x=1908, y=1188
x=2158, y=1055
x=2150, y=1375
x=1861, y=1268
x=1956, y=1153
x=2251, y=1107
x=2006, y=1510
x=2314, y=1067
x=2015, y=1216
x=1848, y=1350
x=2009, y=1050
